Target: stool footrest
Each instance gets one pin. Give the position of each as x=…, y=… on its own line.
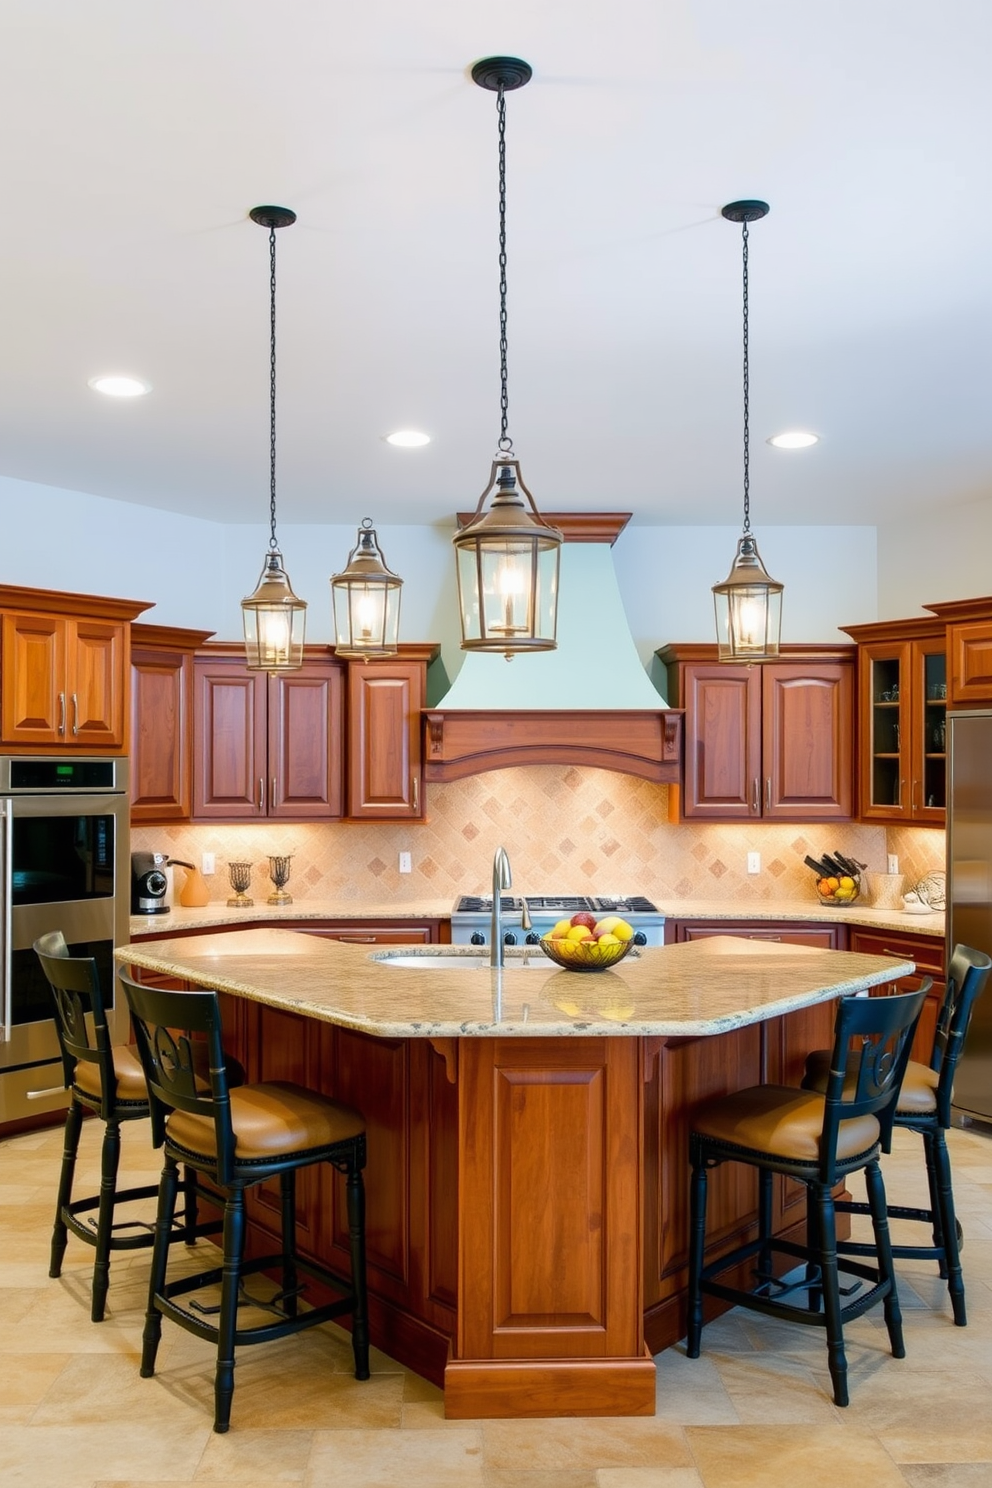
x=260, y=1332
x=760, y=1300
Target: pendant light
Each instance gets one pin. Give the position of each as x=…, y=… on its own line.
x=748, y=602
x=366, y=599
x=507, y=557
x=274, y=618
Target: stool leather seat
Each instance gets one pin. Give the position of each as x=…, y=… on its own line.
x=129, y=1078
x=781, y=1121
x=924, y=1106
x=238, y=1138
x=817, y=1139
x=271, y=1120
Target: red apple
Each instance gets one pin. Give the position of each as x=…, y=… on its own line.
x=584, y=918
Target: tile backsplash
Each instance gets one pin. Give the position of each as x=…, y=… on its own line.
x=566, y=830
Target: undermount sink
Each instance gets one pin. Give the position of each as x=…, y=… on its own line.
x=463, y=959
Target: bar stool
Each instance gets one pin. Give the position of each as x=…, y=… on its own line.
x=818, y=1140
x=238, y=1138
x=924, y=1106
x=106, y=1079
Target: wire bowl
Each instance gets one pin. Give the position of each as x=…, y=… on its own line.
x=848, y=891
x=584, y=955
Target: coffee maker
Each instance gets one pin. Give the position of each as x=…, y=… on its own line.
x=149, y=883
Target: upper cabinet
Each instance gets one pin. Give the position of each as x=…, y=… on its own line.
x=64, y=661
x=770, y=742
x=902, y=701
x=266, y=746
x=969, y=651
x=162, y=722
x=385, y=750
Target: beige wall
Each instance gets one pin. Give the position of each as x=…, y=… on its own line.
x=566, y=830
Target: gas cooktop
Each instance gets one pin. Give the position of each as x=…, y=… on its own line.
x=558, y=904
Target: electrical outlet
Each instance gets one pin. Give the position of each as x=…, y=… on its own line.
x=893, y=862
x=406, y=865
x=208, y=863
x=754, y=862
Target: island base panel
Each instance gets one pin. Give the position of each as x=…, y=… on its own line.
x=549, y=1387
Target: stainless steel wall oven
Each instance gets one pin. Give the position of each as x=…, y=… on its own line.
x=64, y=865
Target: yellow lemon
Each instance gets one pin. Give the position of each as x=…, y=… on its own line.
x=609, y=940
x=579, y=932
x=623, y=931
x=562, y=928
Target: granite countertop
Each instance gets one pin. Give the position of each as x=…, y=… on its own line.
x=701, y=987
x=215, y=915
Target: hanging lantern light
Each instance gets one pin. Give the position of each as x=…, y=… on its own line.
x=748, y=602
x=507, y=557
x=274, y=617
x=366, y=599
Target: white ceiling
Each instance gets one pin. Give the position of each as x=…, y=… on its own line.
x=136, y=137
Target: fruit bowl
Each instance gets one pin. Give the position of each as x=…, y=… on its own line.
x=841, y=890
x=584, y=955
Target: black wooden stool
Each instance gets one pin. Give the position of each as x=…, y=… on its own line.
x=108, y=1080
x=817, y=1140
x=924, y=1106
x=238, y=1138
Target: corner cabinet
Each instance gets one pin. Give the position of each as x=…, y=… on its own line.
x=162, y=722
x=969, y=651
x=768, y=742
x=385, y=736
x=902, y=700
x=64, y=662
x=267, y=747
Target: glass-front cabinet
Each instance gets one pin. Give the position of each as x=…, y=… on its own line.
x=902, y=685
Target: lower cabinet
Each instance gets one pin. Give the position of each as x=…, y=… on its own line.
x=789, y=932
x=928, y=953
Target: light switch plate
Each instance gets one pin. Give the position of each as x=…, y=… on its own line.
x=893, y=863
x=406, y=865
x=754, y=862
x=208, y=863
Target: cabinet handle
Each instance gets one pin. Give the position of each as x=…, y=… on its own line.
x=272, y=798
x=768, y=793
x=75, y=714
x=61, y=712
x=415, y=785
x=755, y=799
x=358, y=939
x=261, y=793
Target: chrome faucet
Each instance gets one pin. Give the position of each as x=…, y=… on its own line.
x=502, y=879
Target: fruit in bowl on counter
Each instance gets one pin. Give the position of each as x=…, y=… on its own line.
x=842, y=890
x=584, y=943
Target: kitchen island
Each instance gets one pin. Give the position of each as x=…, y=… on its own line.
x=528, y=1135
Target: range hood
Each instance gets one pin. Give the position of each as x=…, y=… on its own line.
x=536, y=709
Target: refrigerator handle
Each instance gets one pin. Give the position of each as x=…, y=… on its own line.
x=6, y=840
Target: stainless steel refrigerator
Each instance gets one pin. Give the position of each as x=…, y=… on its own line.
x=969, y=889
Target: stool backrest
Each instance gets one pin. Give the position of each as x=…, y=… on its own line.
x=75, y=985
x=966, y=977
x=885, y=1026
x=174, y=1070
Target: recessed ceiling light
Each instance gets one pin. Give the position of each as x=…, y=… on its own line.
x=794, y=439
x=407, y=438
x=120, y=387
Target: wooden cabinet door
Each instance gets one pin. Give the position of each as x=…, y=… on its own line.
x=927, y=724
x=34, y=701
x=722, y=741
x=95, y=652
x=970, y=649
x=808, y=742
x=230, y=762
x=384, y=746
x=823, y=937
x=161, y=742
x=306, y=743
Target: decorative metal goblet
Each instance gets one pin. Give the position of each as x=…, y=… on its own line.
x=279, y=874
x=240, y=876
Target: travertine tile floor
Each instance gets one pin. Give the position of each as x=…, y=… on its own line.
x=754, y=1410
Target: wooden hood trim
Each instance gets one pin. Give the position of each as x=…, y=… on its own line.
x=645, y=742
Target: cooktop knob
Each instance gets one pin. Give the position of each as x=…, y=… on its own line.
x=509, y=938
x=477, y=938
x=533, y=938
x=640, y=938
